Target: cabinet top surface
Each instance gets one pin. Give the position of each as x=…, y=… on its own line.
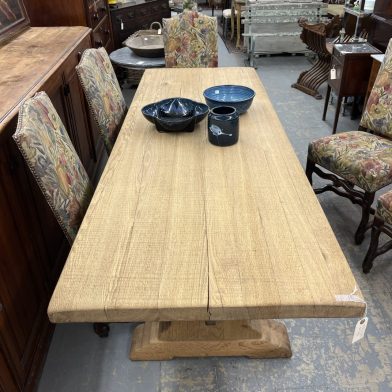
x=179, y=229
x=132, y=4
x=356, y=48
x=28, y=61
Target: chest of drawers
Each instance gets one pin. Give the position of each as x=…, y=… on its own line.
x=136, y=15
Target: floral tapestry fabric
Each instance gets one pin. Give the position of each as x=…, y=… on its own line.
x=361, y=158
x=191, y=40
x=51, y=157
x=103, y=93
x=384, y=207
x=378, y=113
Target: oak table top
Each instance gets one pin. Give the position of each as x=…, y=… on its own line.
x=179, y=229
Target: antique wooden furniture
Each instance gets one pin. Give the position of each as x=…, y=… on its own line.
x=359, y=162
x=13, y=19
x=190, y=40
x=33, y=247
x=382, y=223
x=381, y=24
x=184, y=230
x=136, y=15
x=103, y=94
x=48, y=151
x=91, y=13
x=272, y=27
x=315, y=37
x=352, y=64
x=236, y=11
x=377, y=59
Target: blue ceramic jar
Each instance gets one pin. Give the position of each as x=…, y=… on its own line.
x=223, y=126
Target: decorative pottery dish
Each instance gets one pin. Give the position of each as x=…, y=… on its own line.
x=175, y=114
x=146, y=45
x=239, y=97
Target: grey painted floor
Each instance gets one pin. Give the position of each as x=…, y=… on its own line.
x=324, y=358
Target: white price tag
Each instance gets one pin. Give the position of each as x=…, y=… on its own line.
x=159, y=31
x=122, y=25
x=360, y=329
x=348, y=298
x=333, y=74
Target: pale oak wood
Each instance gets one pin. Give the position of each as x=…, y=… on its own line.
x=44, y=51
x=167, y=340
x=179, y=229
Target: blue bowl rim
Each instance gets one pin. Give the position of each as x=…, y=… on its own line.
x=253, y=93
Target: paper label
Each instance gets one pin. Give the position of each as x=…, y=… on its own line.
x=360, y=329
x=333, y=73
x=348, y=298
x=122, y=25
x=159, y=31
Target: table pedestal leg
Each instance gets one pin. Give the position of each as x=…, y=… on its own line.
x=168, y=340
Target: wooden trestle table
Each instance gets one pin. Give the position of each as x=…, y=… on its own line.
x=203, y=244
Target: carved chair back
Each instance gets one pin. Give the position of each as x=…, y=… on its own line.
x=103, y=93
x=47, y=149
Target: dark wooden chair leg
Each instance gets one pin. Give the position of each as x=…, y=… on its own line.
x=101, y=329
x=366, y=208
x=337, y=113
x=326, y=102
x=309, y=170
x=372, y=251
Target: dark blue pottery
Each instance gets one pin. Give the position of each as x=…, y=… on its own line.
x=239, y=97
x=223, y=126
x=175, y=114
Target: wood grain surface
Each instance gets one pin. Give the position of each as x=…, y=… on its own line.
x=179, y=229
x=26, y=63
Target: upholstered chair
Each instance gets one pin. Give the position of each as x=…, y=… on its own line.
x=103, y=93
x=47, y=149
x=359, y=163
x=382, y=223
x=191, y=40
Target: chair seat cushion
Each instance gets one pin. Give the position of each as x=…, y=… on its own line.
x=359, y=157
x=384, y=207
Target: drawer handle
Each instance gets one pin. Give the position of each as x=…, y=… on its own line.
x=95, y=16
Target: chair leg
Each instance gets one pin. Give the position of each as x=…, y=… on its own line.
x=337, y=113
x=310, y=165
x=366, y=206
x=372, y=251
x=326, y=102
x=101, y=329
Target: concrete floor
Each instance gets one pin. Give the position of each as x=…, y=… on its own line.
x=323, y=357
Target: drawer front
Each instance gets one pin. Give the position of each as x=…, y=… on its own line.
x=101, y=34
x=96, y=12
x=74, y=58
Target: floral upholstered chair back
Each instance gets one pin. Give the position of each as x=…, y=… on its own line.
x=47, y=149
x=190, y=40
x=103, y=93
x=377, y=116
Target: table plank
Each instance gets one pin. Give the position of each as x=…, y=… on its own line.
x=179, y=229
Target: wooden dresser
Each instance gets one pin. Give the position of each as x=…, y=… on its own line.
x=91, y=13
x=32, y=245
x=136, y=15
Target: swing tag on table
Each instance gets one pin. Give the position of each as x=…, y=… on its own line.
x=333, y=73
x=360, y=329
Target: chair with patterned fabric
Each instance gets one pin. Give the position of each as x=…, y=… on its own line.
x=382, y=224
x=191, y=40
x=103, y=93
x=47, y=149
x=359, y=163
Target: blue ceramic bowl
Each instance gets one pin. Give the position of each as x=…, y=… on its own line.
x=175, y=114
x=239, y=97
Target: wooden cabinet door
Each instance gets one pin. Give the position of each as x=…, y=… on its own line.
x=24, y=271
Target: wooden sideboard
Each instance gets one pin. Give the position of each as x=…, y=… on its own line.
x=136, y=15
x=91, y=13
x=33, y=248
